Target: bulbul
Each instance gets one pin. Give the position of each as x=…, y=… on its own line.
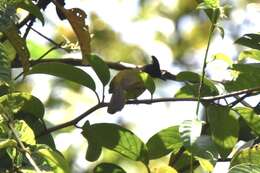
x=127, y=84
x=153, y=69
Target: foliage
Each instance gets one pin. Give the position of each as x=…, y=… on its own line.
x=27, y=145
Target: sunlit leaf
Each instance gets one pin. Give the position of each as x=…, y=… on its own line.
x=101, y=68
x=4, y=143
x=76, y=18
x=248, y=155
x=31, y=8
x=250, y=40
x=119, y=139
x=165, y=169
x=253, y=54
x=165, y=141
x=65, y=71
x=24, y=132
x=108, y=168
x=223, y=57
x=245, y=168
x=19, y=45
x=224, y=128
x=148, y=82
x=54, y=159
x=190, y=130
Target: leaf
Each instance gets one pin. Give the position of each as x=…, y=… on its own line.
x=148, y=82
x=253, y=54
x=5, y=68
x=245, y=168
x=248, y=155
x=93, y=152
x=31, y=8
x=24, y=132
x=250, y=40
x=76, y=18
x=222, y=31
x=224, y=128
x=108, y=168
x=189, y=131
x=165, y=169
x=19, y=45
x=101, y=69
x=4, y=143
x=223, y=57
x=54, y=159
x=212, y=3
x=162, y=143
x=119, y=139
x=65, y=71
x=250, y=117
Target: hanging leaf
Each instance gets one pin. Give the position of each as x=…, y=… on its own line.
x=54, y=159
x=101, y=69
x=76, y=18
x=24, y=132
x=250, y=117
x=224, y=128
x=108, y=168
x=245, y=168
x=162, y=143
x=119, y=139
x=31, y=8
x=19, y=45
x=65, y=71
x=148, y=82
x=250, y=40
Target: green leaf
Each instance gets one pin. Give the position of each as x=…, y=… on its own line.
x=224, y=128
x=190, y=130
x=253, y=54
x=250, y=117
x=223, y=57
x=248, y=155
x=31, y=8
x=5, y=69
x=245, y=168
x=65, y=71
x=101, y=68
x=212, y=3
x=148, y=82
x=4, y=143
x=93, y=152
x=162, y=143
x=250, y=40
x=119, y=139
x=24, y=132
x=54, y=159
x=108, y=168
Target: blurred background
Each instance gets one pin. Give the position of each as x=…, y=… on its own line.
x=131, y=31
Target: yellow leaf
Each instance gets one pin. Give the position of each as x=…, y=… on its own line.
x=165, y=169
x=77, y=17
x=19, y=45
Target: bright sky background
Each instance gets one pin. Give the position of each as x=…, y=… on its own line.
x=146, y=119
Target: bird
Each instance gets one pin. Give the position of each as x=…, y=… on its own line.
x=153, y=69
x=127, y=84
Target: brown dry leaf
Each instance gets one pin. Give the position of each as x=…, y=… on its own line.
x=76, y=17
x=19, y=45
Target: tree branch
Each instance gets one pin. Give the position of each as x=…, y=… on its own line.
x=145, y=101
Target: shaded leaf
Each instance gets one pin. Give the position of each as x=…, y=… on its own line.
x=165, y=141
x=65, y=71
x=19, y=45
x=250, y=40
x=101, y=68
x=224, y=128
x=245, y=168
x=119, y=139
x=31, y=8
x=76, y=18
x=93, y=152
x=5, y=68
x=250, y=117
x=108, y=168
